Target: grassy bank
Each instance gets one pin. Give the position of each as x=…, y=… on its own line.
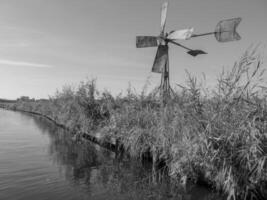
x=218, y=135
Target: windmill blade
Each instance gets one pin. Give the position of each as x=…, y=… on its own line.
x=196, y=52
x=146, y=41
x=160, y=59
x=225, y=30
x=184, y=34
x=164, y=8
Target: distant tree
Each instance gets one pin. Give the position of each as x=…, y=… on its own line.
x=24, y=98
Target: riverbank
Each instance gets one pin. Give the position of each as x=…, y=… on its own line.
x=105, y=144
x=213, y=136
x=40, y=160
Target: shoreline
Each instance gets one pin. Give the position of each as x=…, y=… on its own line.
x=215, y=137
x=87, y=136
x=158, y=165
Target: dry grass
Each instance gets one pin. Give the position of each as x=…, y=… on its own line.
x=219, y=136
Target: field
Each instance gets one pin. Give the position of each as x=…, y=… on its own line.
x=214, y=136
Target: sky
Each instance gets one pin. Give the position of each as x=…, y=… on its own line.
x=46, y=44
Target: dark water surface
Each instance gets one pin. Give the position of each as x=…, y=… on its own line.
x=42, y=162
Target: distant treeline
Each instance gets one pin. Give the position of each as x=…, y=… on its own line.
x=7, y=101
x=22, y=98
x=217, y=136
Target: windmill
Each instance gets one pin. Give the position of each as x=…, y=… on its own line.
x=225, y=31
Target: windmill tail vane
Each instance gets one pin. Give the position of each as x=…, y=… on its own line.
x=225, y=31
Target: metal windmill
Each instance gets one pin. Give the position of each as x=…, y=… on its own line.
x=225, y=31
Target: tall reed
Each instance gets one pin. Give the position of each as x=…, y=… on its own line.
x=216, y=136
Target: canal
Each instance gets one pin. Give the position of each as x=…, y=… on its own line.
x=41, y=161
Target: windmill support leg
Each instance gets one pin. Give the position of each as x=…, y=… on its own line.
x=165, y=83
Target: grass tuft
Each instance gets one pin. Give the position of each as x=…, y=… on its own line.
x=217, y=136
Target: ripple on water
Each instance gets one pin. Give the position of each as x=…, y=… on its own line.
x=41, y=161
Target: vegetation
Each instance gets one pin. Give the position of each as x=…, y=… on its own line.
x=7, y=101
x=217, y=136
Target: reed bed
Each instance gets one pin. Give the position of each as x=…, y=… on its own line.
x=217, y=136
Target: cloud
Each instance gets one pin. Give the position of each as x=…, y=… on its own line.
x=23, y=64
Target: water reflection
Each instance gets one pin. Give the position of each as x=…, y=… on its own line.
x=101, y=176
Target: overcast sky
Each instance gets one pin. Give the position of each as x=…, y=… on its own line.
x=45, y=44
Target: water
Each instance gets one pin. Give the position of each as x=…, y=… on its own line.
x=40, y=161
